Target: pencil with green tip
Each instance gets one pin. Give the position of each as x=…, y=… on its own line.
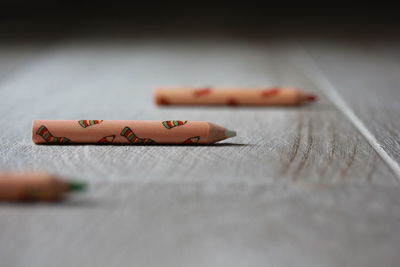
x=36, y=186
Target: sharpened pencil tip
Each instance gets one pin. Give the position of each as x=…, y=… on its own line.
x=311, y=97
x=230, y=133
x=77, y=186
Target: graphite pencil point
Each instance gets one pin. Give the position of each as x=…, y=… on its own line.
x=230, y=133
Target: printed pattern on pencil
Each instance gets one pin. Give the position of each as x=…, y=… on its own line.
x=87, y=123
x=106, y=140
x=49, y=138
x=232, y=102
x=128, y=134
x=192, y=140
x=172, y=124
x=202, y=92
x=270, y=92
x=162, y=101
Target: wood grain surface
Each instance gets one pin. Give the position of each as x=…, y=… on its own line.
x=297, y=186
x=138, y=224
x=370, y=90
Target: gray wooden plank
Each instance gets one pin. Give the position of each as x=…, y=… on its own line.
x=114, y=81
x=366, y=76
x=298, y=185
x=154, y=224
x=15, y=55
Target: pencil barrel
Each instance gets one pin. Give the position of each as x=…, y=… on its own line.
x=31, y=187
x=66, y=132
x=227, y=96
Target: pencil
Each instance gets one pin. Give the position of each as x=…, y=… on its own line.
x=35, y=186
x=127, y=132
x=231, y=96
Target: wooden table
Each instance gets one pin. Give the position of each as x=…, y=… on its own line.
x=316, y=185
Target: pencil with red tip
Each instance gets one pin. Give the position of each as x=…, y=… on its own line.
x=232, y=96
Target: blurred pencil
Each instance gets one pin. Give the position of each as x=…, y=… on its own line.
x=35, y=186
x=231, y=96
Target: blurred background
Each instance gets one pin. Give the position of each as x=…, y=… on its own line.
x=49, y=19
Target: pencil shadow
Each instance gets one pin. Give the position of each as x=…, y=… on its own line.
x=205, y=145
x=150, y=145
x=68, y=202
x=306, y=106
x=228, y=144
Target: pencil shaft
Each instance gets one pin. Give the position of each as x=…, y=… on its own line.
x=126, y=132
x=31, y=186
x=228, y=96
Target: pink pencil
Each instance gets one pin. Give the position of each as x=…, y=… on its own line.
x=127, y=132
x=231, y=96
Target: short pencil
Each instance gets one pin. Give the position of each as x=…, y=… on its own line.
x=127, y=132
x=35, y=186
x=231, y=96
